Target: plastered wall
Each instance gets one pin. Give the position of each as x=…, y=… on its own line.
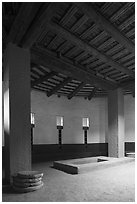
x=46, y=109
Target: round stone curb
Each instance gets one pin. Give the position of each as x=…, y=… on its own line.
x=29, y=174
x=27, y=189
x=25, y=185
x=26, y=180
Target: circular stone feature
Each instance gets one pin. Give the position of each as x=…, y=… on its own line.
x=26, y=180
x=27, y=189
x=24, y=185
x=29, y=174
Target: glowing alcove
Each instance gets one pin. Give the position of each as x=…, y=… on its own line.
x=85, y=122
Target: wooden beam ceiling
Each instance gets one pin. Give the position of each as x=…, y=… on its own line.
x=80, y=43
x=102, y=22
x=59, y=86
x=92, y=94
x=71, y=95
x=43, y=57
x=44, y=18
x=32, y=21
x=22, y=21
x=43, y=78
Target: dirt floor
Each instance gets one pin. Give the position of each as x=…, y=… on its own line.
x=113, y=184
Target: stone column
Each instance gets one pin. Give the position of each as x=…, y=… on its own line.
x=116, y=131
x=17, y=127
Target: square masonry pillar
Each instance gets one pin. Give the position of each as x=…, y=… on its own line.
x=17, y=127
x=116, y=130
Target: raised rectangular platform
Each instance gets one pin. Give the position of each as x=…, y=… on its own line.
x=76, y=166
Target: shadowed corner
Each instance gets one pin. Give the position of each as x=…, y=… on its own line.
x=7, y=188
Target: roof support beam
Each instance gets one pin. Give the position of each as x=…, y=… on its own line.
x=40, y=23
x=4, y=38
x=76, y=90
x=4, y=34
x=59, y=86
x=102, y=22
x=80, y=43
x=79, y=23
x=92, y=94
x=128, y=85
x=25, y=16
x=42, y=79
x=68, y=15
x=43, y=57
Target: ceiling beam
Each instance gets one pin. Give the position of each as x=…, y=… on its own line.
x=92, y=94
x=42, y=79
x=4, y=38
x=45, y=72
x=36, y=73
x=41, y=21
x=78, y=88
x=22, y=21
x=88, y=48
x=59, y=86
x=79, y=23
x=43, y=57
x=4, y=34
x=102, y=22
x=128, y=85
x=68, y=15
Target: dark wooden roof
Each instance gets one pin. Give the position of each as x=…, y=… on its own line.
x=77, y=49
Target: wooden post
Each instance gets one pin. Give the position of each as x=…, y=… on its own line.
x=85, y=136
x=60, y=137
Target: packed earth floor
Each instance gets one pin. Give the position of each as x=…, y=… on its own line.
x=113, y=184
